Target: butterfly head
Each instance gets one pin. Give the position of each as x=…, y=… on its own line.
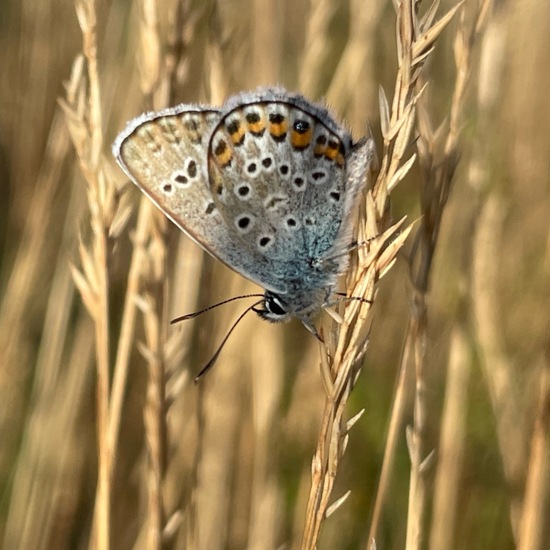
x=276, y=310
x=273, y=308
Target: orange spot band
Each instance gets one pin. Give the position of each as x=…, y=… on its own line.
x=277, y=129
x=301, y=141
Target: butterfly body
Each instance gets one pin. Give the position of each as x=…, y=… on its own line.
x=267, y=184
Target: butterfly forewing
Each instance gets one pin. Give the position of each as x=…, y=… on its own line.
x=165, y=155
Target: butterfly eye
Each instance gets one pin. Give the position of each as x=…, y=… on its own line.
x=274, y=305
x=274, y=309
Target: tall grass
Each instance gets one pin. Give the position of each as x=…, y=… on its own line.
x=421, y=422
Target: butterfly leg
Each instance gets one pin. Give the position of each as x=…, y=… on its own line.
x=311, y=328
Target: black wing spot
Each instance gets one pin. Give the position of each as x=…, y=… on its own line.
x=220, y=148
x=299, y=182
x=301, y=126
x=233, y=126
x=192, y=169
x=318, y=175
x=252, y=118
x=181, y=179
x=243, y=190
x=276, y=118
x=264, y=241
x=243, y=222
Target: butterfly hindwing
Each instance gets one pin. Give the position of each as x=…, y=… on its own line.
x=277, y=173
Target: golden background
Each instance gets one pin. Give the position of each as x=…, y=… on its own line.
x=234, y=453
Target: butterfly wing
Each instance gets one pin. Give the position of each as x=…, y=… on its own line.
x=266, y=184
x=277, y=171
x=164, y=154
x=359, y=165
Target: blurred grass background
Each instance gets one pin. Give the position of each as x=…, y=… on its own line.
x=236, y=467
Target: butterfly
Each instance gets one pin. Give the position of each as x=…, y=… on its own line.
x=267, y=184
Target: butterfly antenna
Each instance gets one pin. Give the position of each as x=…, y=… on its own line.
x=352, y=246
x=346, y=297
x=210, y=363
x=197, y=313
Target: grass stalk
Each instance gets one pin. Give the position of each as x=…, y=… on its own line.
x=392, y=438
x=83, y=111
x=497, y=368
x=97, y=196
x=315, y=51
x=438, y=177
x=452, y=445
x=342, y=363
x=533, y=527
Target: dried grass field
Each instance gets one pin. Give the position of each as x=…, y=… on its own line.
x=423, y=421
